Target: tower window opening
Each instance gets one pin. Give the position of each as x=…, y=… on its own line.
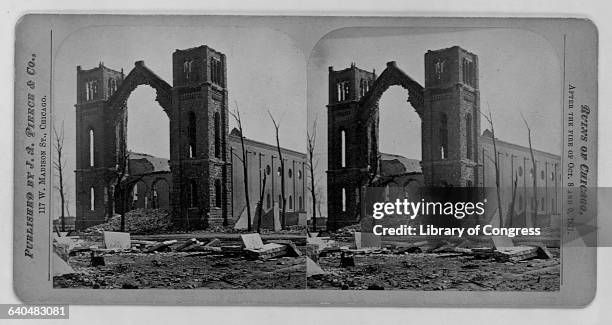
x=191, y=130
x=343, y=199
x=187, y=69
x=217, y=135
x=216, y=72
x=91, y=148
x=343, y=148
x=343, y=89
x=193, y=194
x=92, y=199
x=469, y=132
x=443, y=136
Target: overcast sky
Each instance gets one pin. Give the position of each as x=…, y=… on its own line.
x=266, y=71
x=519, y=73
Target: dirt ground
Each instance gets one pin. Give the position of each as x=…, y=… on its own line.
x=177, y=270
x=437, y=272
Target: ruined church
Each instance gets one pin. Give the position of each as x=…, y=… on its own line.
x=454, y=151
x=201, y=184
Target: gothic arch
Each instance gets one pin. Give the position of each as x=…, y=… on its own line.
x=392, y=76
x=141, y=75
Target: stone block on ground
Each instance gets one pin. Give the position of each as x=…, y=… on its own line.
x=313, y=268
x=515, y=254
x=268, y=251
x=502, y=242
x=117, y=240
x=252, y=241
x=59, y=266
x=367, y=240
x=292, y=250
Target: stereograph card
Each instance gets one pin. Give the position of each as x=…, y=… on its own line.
x=293, y=160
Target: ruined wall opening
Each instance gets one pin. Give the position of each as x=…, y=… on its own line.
x=148, y=127
x=399, y=127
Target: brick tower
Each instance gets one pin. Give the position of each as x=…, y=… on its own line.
x=199, y=161
x=96, y=144
x=451, y=119
x=346, y=173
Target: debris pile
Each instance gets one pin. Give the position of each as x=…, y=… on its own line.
x=140, y=221
x=495, y=263
x=244, y=261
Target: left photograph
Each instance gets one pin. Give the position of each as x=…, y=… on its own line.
x=179, y=159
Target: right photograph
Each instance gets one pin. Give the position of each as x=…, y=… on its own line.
x=434, y=160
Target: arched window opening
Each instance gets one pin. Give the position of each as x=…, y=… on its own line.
x=218, y=194
x=278, y=171
x=443, y=136
x=91, y=148
x=290, y=173
x=343, y=200
x=191, y=130
x=469, y=132
x=268, y=201
x=217, y=135
x=268, y=169
x=301, y=203
x=135, y=196
x=280, y=201
x=92, y=199
x=154, y=197
x=193, y=194
x=187, y=69
x=290, y=202
x=343, y=148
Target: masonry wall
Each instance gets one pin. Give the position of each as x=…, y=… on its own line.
x=515, y=161
x=263, y=159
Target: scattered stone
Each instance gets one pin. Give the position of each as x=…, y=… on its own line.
x=252, y=241
x=268, y=251
x=117, y=240
x=313, y=268
x=185, y=244
x=375, y=287
x=515, y=254
x=214, y=243
x=160, y=246
x=347, y=259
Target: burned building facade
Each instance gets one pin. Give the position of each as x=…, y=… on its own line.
x=453, y=149
x=196, y=106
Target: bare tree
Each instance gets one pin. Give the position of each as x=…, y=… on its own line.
x=244, y=161
x=123, y=184
x=260, y=203
x=59, y=165
x=489, y=118
x=510, y=213
x=282, y=170
x=312, y=164
x=534, y=174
